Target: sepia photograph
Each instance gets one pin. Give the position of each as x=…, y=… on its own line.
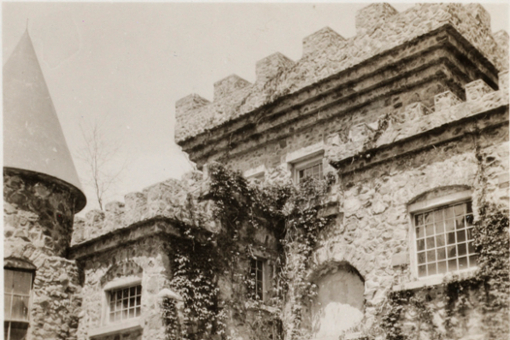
x=256, y=170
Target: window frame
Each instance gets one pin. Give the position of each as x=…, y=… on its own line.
x=305, y=163
x=268, y=268
x=431, y=205
x=116, y=285
x=25, y=269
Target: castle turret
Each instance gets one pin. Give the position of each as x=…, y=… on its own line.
x=41, y=195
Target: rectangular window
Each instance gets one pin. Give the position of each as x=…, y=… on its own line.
x=261, y=283
x=444, y=239
x=257, y=277
x=311, y=168
x=17, y=288
x=124, y=303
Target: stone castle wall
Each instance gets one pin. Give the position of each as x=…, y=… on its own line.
x=398, y=112
x=38, y=217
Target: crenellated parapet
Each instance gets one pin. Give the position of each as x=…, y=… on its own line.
x=380, y=28
x=416, y=118
x=178, y=201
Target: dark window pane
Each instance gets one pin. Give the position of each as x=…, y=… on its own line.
x=7, y=306
x=427, y=218
x=418, y=220
x=119, y=294
x=125, y=303
x=19, y=308
x=441, y=254
x=421, y=258
x=8, y=280
x=18, y=330
x=469, y=209
x=473, y=260
x=139, y=290
x=422, y=270
x=420, y=244
x=138, y=300
x=451, y=238
x=440, y=240
x=441, y=266
x=430, y=243
x=124, y=314
x=132, y=291
x=461, y=236
x=469, y=233
x=462, y=263
x=452, y=265
x=22, y=282
x=462, y=249
x=449, y=225
x=469, y=220
x=429, y=230
x=431, y=256
x=131, y=302
x=459, y=223
x=420, y=232
x=471, y=247
x=432, y=268
x=125, y=293
x=132, y=313
x=452, y=251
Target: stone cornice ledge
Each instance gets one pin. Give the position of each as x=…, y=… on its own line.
x=124, y=236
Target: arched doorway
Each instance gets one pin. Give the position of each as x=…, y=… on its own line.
x=339, y=303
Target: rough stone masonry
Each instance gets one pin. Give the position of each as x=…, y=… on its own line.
x=410, y=116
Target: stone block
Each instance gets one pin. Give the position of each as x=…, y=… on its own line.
x=229, y=85
x=400, y=259
x=321, y=40
x=114, y=215
x=373, y=15
x=270, y=66
x=189, y=103
x=482, y=17
x=94, y=220
x=477, y=89
x=135, y=207
x=445, y=100
x=503, y=81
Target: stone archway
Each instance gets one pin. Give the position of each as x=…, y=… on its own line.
x=339, y=304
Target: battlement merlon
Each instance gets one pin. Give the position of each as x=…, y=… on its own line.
x=390, y=29
x=173, y=200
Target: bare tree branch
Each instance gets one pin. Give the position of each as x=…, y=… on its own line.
x=100, y=156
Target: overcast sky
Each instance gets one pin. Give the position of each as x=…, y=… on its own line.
x=125, y=64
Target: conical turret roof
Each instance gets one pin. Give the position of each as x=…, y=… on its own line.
x=33, y=138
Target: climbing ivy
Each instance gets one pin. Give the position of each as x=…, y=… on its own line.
x=290, y=211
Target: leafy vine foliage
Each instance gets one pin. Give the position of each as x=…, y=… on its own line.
x=288, y=211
